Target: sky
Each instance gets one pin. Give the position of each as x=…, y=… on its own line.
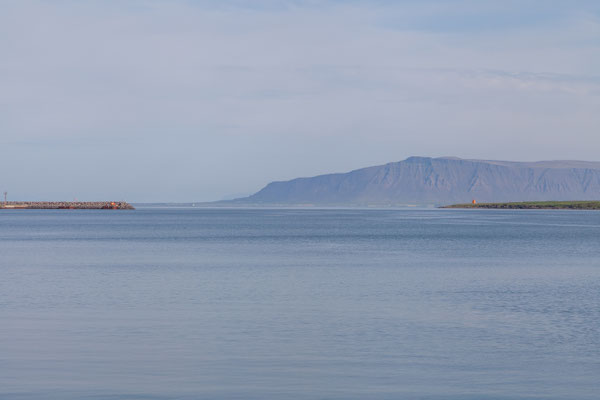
x=183, y=100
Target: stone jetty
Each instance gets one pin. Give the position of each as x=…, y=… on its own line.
x=67, y=205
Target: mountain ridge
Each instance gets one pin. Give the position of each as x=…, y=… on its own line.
x=442, y=180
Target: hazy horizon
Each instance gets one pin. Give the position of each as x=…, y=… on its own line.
x=189, y=101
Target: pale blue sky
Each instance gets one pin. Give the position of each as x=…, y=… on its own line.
x=198, y=100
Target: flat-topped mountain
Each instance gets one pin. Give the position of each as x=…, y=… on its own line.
x=446, y=180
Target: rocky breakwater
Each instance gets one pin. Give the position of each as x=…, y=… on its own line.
x=67, y=205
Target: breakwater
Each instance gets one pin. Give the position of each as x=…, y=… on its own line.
x=67, y=205
x=534, y=205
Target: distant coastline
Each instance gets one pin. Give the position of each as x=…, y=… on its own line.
x=66, y=205
x=439, y=181
x=534, y=205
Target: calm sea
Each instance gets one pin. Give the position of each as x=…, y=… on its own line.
x=299, y=304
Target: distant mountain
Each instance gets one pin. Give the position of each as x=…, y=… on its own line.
x=424, y=180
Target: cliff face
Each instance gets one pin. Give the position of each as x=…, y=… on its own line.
x=420, y=180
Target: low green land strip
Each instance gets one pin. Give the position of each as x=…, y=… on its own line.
x=539, y=205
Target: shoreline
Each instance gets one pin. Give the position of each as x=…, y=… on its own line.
x=533, y=205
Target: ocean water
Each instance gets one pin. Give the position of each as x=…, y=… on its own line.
x=299, y=304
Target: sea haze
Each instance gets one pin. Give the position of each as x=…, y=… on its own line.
x=299, y=304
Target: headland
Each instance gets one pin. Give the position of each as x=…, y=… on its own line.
x=443, y=180
x=67, y=205
x=534, y=205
